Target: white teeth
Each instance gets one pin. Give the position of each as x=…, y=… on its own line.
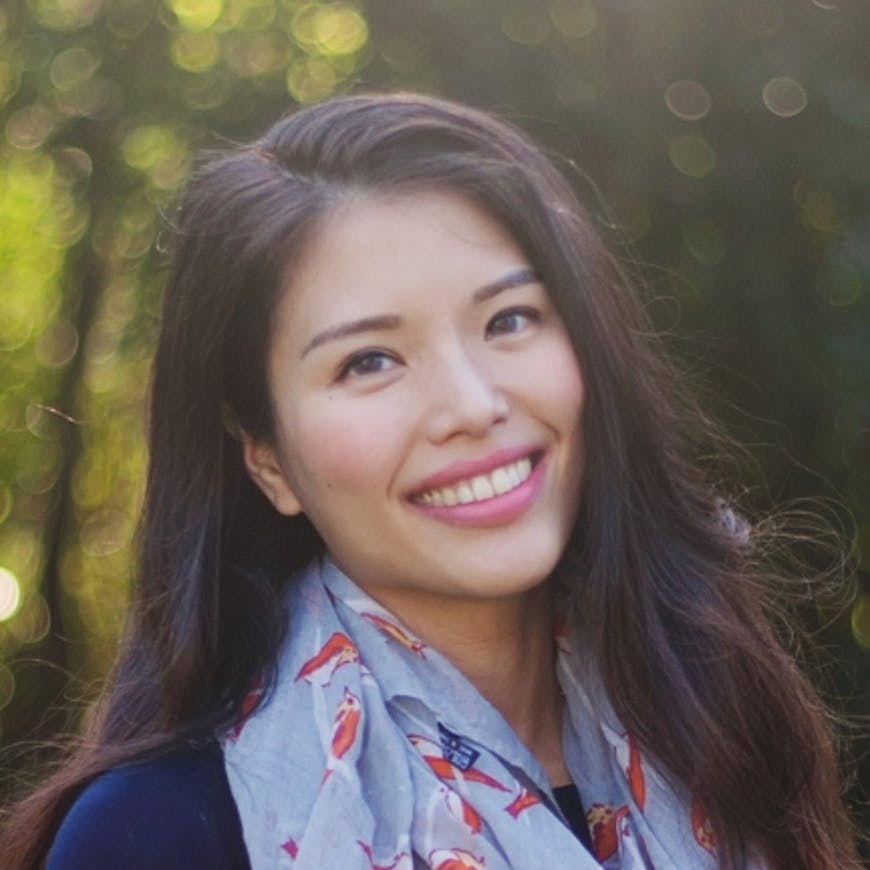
x=501, y=481
x=464, y=493
x=481, y=487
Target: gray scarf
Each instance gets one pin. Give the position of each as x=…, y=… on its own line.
x=375, y=753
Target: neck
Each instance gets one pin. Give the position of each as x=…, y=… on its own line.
x=505, y=648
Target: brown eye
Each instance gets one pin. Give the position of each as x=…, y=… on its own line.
x=511, y=321
x=369, y=362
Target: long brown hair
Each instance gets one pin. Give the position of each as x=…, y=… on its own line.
x=665, y=591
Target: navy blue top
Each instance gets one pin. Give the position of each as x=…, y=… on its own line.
x=176, y=812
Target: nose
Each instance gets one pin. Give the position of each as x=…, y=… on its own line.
x=462, y=398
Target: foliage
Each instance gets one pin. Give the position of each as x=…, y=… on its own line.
x=727, y=140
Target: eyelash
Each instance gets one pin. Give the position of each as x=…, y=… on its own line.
x=346, y=371
x=530, y=314
x=359, y=359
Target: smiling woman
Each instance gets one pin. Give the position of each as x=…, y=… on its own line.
x=429, y=576
x=438, y=367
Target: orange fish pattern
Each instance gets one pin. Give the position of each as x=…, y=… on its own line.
x=337, y=651
x=344, y=730
x=455, y=859
x=702, y=828
x=396, y=632
x=605, y=824
x=249, y=704
x=372, y=751
x=523, y=801
x=462, y=809
x=445, y=769
x=629, y=757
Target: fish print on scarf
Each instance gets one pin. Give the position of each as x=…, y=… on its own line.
x=608, y=827
x=400, y=861
x=249, y=704
x=523, y=801
x=701, y=827
x=320, y=668
x=344, y=732
x=374, y=755
x=455, y=859
x=397, y=633
x=461, y=809
x=446, y=770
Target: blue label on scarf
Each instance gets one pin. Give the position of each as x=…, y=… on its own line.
x=459, y=754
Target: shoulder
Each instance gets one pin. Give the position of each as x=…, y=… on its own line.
x=173, y=811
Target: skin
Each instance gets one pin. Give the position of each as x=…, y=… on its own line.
x=412, y=336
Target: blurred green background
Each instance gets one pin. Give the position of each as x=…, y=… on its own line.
x=724, y=143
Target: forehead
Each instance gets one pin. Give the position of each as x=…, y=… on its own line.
x=414, y=250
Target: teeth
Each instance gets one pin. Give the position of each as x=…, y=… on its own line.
x=464, y=493
x=501, y=481
x=481, y=487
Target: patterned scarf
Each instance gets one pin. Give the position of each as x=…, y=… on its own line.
x=375, y=753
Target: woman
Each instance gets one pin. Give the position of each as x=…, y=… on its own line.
x=428, y=577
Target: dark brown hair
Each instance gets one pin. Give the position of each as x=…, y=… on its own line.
x=663, y=589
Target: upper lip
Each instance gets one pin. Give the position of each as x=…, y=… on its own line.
x=465, y=469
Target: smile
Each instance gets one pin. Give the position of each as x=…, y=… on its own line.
x=481, y=487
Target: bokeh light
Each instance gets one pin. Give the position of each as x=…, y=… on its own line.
x=195, y=52
x=66, y=14
x=784, y=96
x=330, y=28
x=688, y=100
x=861, y=621
x=32, y=622
x=196, y=14
x=694, y=156
x=820, y=210
x=30, y=126
x=10, y=594
x=574, y=17
x=526, y=24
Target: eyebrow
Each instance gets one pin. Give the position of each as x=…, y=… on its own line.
x=517, y=278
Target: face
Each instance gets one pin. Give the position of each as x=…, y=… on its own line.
x=427, y=404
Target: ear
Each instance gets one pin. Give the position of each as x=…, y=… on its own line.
x=265, y=470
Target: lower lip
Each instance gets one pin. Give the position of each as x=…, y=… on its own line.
x=496, y=511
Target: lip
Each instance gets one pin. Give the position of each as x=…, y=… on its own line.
x=468, y=468
x=496, y=511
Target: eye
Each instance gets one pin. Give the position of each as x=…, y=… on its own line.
x=511, y=321
x=367, y=362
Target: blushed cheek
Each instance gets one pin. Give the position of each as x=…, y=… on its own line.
x=563, y=387
x=341, y=452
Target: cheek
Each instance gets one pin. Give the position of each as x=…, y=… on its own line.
x=341, y=447
x=573, y=390
x=560, y=385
